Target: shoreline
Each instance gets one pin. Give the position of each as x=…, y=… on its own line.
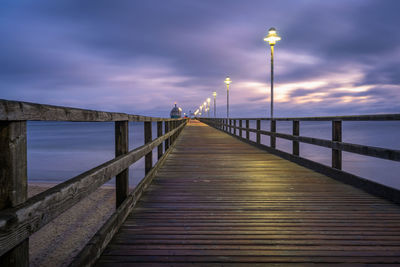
x=58, y=242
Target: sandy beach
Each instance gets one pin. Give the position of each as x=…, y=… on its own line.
x=60, y=240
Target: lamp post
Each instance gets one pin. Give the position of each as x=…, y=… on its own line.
x=208, y=107
x=271, y=38
x=215, y=104
x=227, y=82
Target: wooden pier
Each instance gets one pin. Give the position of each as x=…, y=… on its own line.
x=217, y=200
x=214, y=197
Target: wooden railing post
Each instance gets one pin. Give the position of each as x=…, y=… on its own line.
x=166, y=130
x=159, y=134
x=296, y=132
x=247, y=129
x=234, y=127
x=230, y=126
x=240, y=126
x=13, y=181
x=148, y=163
x=337, y=136
x=273, y=130
x=121, y=148
x=258, y=132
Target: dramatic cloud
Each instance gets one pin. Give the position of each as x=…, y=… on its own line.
x=336, y=57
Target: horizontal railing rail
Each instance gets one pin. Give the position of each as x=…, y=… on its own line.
x=21, y=217
x=25, y=111
x=234, y=126
x=372, y=117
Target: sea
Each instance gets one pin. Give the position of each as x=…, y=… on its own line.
x=58, y=151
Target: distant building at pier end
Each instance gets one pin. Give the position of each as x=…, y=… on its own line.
x=176, y=112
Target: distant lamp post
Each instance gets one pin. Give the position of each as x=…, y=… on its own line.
x=215, y=104
x=227, y=82
x=208, y=106
x=201, y=109
x=272, y=38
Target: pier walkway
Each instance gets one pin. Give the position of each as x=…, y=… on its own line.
x=218, y=200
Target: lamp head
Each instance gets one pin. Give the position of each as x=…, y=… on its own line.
x=214, y=94
x=205, y=103
x=208, y=100
x=272, y=37
x=228, y=80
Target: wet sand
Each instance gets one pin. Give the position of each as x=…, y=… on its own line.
x=59, y=241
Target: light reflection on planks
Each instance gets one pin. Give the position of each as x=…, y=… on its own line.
x=218, y=201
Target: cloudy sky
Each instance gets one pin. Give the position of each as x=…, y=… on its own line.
x=335, y=57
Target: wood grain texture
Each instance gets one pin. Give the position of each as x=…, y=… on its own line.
x=217, y=201
x=377, y=152
x=121, y=148
x=93, y=249
x=18, y=223
x=17, y=111
x=14, y=182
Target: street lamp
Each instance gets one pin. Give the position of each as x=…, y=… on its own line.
x=208, y=104
x=227, y=82
x=215, y=104
x=271, y=38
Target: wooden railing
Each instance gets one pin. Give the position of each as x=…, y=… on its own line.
x=21, y=217
x=234, y=126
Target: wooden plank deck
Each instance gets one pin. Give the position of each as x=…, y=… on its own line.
x=219, y=201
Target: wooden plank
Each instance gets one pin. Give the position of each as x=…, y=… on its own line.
x=273, y=130
x=148, y=163
x=218, y=200
x=13, y=182
x=295, y=144
x=121, y=148
x=166, y=130
x=17, y=224
x=93, y=249
x=371, y=117
x=19, y=111
x=336, y=137
x=160, y=149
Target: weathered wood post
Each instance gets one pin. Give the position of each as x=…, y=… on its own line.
x=172, y=128
x=240, y=126
x=175, y=126
x=159, y=134
x=337, y=137
x=121, y=148
x=166, y=130
x=296, y=132
x=234, y=127
x=148, y=162
x=258, y=132
x=273, y=130
x=247, y=129
x=13, y=181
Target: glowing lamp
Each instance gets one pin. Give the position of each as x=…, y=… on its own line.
x=272, y=36
x=227, y=80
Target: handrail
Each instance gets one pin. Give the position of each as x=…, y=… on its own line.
x=335, y=144
x=371, y=117
x=377, y=152
x=26, y=111
x=21, y=217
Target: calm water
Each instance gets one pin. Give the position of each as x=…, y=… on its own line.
x=58, y=151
